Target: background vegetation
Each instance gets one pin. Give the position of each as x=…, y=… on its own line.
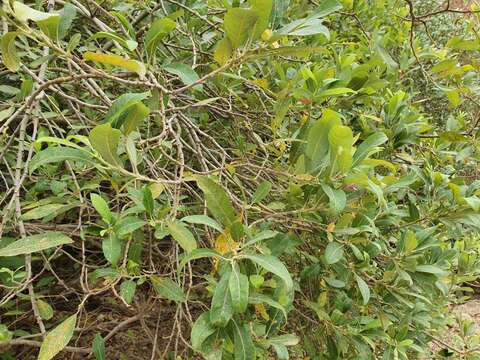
x=238, y=179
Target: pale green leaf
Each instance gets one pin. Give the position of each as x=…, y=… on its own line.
x=54, y=154
x=201, y=330
x=168, y=289
x=57, y=339
x=185, y=73
x=182, y=235
x=221, y=310
x=112, y=249
x=101, y=206
x=104, y=140
x=10, y=57
x=203, y=220
x=35, y=243
x=364, y=290
x=261, y=192
x=333, y=253
x=223, y=51
x=238, y=285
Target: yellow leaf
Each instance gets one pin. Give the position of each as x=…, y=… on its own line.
x=331, y=227
x=260, y=309
x=116, y=60
x=225, y=243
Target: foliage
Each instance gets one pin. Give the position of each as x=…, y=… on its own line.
x=269, y=169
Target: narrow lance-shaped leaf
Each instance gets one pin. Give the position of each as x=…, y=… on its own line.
x=57, y=339
x=364, y=290
x=118, y=61
x=112, y=249
x=221, y=310
x=243, y=344
x=35, y=243
x=238, y=285
x=217, y=201
x=54, y=154
x=367, y=146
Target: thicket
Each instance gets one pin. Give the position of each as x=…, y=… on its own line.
x=238, y=179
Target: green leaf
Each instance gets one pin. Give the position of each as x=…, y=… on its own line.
x=196, y=254
x=223, y=51
x=35, y=243
x=244, y=348
x=203, y=220
x=317, y=141
x=336, y=92
x=238, y=285
x=258, y=298
x=128, y=225
x=127, y=290
x=341, y=142
x=182, y=235
x=168, y=289
x=333, y=253
x=429, y=269
x=48, y=210
x=286, y=340
x=104, y=140
x=326, y=8
x=45, y=309
x=305, y=27
x=261, y=192
x=337, y=198
x=201, y=330
x=158, y=31
x=221, y=310
x=54, y=154
x=98, y=348
x=102, y=207
x=134, y=117
x=128, y=44
x=121, y=105
x=364, y=290
x=238, y=24
x=369, y=145
x=57, y=339
x=118, y=61
x=50, y=26
x=262, y=9
x=273, y=265
x=10, y=57
x=185, y=73
x=112, y=249
x=24, y=13
x=217, y=201
x=67, y=16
